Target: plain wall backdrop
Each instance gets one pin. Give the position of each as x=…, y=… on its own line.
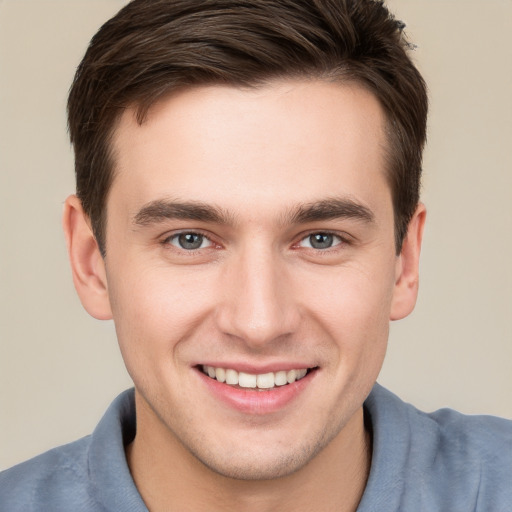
x=59, y=368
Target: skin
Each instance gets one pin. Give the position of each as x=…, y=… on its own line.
x=256, y=293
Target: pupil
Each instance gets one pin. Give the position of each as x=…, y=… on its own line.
x=190, y=240
x=321, y=240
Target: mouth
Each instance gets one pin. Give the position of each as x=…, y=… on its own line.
x=258, y=394
x=258, y=382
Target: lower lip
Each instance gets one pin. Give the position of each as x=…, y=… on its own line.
x=252, y=401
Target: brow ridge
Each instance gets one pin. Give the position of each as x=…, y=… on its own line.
x=160, y=210
x=326, y=209
x=331, y=208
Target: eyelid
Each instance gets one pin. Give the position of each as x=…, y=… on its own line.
x=344, y=239
x=166, y=239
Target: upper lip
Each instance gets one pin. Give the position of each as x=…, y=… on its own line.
x=259, y=368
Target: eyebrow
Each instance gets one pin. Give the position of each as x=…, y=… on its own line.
x=160, y=210
x=326, y=209
x=331, y=208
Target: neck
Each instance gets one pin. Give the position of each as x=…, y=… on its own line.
x=169, y=478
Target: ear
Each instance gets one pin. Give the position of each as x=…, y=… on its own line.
x=87, y=265
x=407, y=267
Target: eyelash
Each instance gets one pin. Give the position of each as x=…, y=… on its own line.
x=168, y=239
x=343, y=240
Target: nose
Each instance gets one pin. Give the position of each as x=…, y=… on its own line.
x=258, y=306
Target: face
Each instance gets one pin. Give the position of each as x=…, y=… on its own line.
x=250, y=236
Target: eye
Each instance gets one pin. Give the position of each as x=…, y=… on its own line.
x=321, y=241
x=189, y=241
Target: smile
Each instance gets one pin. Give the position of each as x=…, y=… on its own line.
x=263, y=381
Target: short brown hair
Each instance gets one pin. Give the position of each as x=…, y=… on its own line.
x=152, y=47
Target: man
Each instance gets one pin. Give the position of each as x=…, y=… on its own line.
x=248, y=213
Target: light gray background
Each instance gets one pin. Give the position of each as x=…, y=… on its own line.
x=59, y=368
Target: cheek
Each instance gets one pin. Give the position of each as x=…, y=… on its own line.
x=351, y=295
x=352, y=307
x=154, y=309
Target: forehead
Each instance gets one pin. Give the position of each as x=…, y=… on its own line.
x=274, y=145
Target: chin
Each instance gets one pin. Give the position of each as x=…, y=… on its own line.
x=257, y=470
x=259, y=465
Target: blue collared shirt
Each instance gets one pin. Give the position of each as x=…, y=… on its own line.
x=443, y=462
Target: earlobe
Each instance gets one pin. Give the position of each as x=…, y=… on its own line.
x=407, y=271
x=87, y=265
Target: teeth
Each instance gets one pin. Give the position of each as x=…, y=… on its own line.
x=280, y=378
x=265, y=380
x=301, y=373
x=248, y=380
x=291, y=376
x=220, y=374
x=231, y=377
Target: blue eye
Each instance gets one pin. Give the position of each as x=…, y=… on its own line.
x=189, y=241
x=321, y=241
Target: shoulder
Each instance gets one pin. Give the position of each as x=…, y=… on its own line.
x=487, y=437
x=89, y=475
x=40, y=483
x=448, y=432
x=472, y=458
x=443, y=460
